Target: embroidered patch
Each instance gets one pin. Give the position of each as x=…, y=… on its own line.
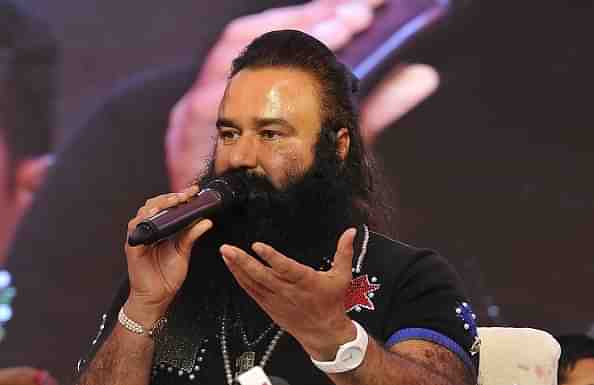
x=359, y=294
x=464, y=312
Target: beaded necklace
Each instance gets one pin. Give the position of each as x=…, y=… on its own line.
x=247, y=360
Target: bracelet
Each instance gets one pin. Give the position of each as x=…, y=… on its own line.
x=137, y=328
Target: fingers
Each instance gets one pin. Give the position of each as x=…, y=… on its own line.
x=252, y=276
x=343, y=258
x=404, y=88
x=283, y=267
x=187, y=238
x=249, y=27
x=334, y=22
x=347, y=20
x=156, y=204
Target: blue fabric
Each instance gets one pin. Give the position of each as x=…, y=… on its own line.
x=432, y=336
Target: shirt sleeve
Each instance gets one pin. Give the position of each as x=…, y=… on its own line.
x=429, y=304
x=106, y=324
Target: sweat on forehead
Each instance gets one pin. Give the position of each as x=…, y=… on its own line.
x=269, y=94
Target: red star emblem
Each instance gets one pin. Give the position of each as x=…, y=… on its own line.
x=358, y=293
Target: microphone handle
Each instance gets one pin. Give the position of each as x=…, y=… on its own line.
x=173, y=219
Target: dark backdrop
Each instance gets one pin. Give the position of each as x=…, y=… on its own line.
x=494, y=170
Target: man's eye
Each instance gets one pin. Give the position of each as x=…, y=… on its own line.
x=270, y=134
x=227, y=135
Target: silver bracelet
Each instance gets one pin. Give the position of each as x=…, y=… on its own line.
x=137, y=328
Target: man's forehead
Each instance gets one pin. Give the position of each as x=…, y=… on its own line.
x=270, y=93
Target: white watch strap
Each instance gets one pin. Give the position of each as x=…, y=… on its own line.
x=349, y=355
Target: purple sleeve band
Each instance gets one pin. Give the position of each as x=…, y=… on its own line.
x=432, y=336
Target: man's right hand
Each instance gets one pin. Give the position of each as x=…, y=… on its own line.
x=157, y=271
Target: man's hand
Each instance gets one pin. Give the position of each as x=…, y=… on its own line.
x=24, y=375
x=308, y=304
x=157, y=271
x=334, y=22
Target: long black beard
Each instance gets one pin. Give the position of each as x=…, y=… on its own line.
x=303, y=220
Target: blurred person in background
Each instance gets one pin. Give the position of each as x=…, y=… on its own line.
x=27, y=74
x=104, y=171
x=576, y=365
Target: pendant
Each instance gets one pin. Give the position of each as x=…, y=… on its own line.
x=245, y=362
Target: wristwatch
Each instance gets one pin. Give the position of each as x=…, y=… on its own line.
x=349, y=355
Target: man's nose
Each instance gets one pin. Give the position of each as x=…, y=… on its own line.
x=244, y=152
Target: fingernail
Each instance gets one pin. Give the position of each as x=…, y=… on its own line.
x=228, y=253
x=153, y=211
x=257, y=247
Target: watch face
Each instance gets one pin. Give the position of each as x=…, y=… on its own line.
x=352, y=355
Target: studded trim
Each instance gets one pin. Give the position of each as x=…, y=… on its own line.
x=363, y=253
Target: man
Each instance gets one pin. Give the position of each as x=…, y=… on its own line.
x=131, y=144
x=304, y=264
x=27, y=65
x=576, y=365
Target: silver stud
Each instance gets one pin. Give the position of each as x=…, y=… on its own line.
x=200, y=359
x=94, y=341
x=196, y=368
x=464, y=304
x=203, y=351
x=371, y=295
x=180, y=372
x=458, y=310
x=162, y=366
x=191, y=377
x=357, y=308
x=466, y=326
x=170, y=369
x=473, y=316
x=373, y=279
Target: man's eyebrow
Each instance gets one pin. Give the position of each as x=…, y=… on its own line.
x=263, y=122
x=224, y=122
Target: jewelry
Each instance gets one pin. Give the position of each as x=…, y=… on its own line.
x=137, y=328
x=247, y=357
x=361, y=257
x=255, y=342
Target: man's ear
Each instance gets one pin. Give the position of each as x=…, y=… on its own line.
x=30, y=175
x=343, y=143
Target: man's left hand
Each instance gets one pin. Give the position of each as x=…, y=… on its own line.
x=306, y=303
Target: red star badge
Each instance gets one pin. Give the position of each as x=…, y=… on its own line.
x=359, y=294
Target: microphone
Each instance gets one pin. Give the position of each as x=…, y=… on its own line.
x=217, y=195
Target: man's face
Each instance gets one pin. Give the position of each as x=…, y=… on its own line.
x=582, y=373
x=269, y=122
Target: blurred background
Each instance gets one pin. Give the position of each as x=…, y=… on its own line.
x=494, y=170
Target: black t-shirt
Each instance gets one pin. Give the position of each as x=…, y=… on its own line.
x=398, y=293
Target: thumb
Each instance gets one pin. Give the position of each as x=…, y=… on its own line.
x=343, y=258
x=189, y=236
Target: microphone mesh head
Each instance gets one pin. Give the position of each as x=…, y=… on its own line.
x=232, y=187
